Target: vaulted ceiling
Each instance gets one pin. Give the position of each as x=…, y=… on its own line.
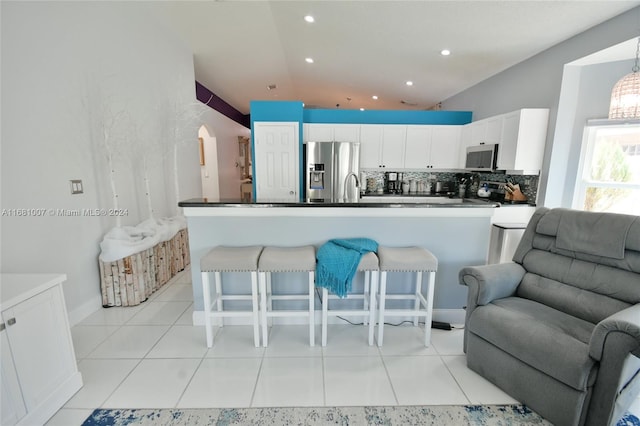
x=366, y=48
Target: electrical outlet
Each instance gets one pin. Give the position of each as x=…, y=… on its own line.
x=76, y=186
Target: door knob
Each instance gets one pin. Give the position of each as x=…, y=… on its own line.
x=291, y=192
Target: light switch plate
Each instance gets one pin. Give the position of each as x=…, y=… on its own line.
x=76, y=186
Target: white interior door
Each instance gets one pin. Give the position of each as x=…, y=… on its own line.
x=277, y=161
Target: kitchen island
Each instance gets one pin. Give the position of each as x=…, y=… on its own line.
x=455, y=230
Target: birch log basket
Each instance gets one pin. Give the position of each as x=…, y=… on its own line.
x=137, y=261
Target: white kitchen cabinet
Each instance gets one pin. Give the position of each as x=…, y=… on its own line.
x=12, y=406
x=370, y=146
x=322, y=132
x=520, y=135
x=445, y=146
x=39, y=371
x=478, y=132
x=393, y=146
x=493, y=130
x=346, y=132
x=418, y=147
x=523, y=139
x=382, y=146
x=465, y=141
x=432, y=147
x=318, y=132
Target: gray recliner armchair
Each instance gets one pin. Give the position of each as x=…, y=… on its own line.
x=559, y=327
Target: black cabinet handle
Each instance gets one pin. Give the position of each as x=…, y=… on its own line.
x=11, y=321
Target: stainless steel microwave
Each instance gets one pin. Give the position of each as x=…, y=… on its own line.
x=482, y=157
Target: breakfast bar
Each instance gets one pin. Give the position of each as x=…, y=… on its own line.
x=455, y=230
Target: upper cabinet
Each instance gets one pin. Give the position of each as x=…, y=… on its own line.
x=418, y=147
x=382, y=146
x=321, y=132
x=524, y=134
x=395, y=146
x=370, y=146
x=445, y=146
x=432, y=147
x=520, y=135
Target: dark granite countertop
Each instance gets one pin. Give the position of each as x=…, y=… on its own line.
x=429, y=202
x=419, y=195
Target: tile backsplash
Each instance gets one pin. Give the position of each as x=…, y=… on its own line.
x=528, y=183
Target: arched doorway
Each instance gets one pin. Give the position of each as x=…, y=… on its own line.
x=209, y=164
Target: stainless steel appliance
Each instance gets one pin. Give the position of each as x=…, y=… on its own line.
x=393, y=183
x=444, y=187
x=482, y=157
x=332, y=170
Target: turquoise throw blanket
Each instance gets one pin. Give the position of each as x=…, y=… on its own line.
x=338, y=261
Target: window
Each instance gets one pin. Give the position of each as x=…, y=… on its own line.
x=609, y=171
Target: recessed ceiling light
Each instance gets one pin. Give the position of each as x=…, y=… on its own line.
x=445, y=52
x=409, y=83
x=309, y=19
x=374, y=97
x=309, y=60
x=361, y=109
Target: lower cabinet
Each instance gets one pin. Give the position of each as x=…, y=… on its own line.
x=12, y=406
x=39, y=370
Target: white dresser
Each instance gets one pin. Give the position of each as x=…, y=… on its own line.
x=38, y=365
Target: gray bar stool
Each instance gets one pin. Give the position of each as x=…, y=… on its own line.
x=286, y=259
x=368, y=264
x=230, y=259
x=407, y=259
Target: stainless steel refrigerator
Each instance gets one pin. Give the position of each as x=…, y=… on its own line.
x=330, y=169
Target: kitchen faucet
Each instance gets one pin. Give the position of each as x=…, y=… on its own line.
x=345, y=199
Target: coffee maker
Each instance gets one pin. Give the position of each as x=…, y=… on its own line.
x=393, y=183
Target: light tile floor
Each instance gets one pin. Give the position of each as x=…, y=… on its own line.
x=150, y=356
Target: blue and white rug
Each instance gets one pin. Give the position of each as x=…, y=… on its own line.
x=480, y=415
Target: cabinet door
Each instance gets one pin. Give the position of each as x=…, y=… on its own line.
x=318, y=132
x=370, y=146
x=41, y=345
x=509, y=141
x=478, y=132
x=277, y=164
x=12, y=406
x=494, y=130
x=346, y=132
x=393, y=144
x=465, y=141
x=532, y=137
x=445, y=147
x=418, y=147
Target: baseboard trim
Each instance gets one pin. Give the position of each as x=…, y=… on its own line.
x=452, y=316
x=84, y=310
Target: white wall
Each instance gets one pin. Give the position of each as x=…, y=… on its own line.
x=226, y=132
x=73, y=75
x=209, y=171
x=586, y=94
x=537, y=82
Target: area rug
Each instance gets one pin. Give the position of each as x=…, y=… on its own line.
x=490, y=415
x=471, y=415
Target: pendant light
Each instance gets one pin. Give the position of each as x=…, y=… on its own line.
x=625, y=96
